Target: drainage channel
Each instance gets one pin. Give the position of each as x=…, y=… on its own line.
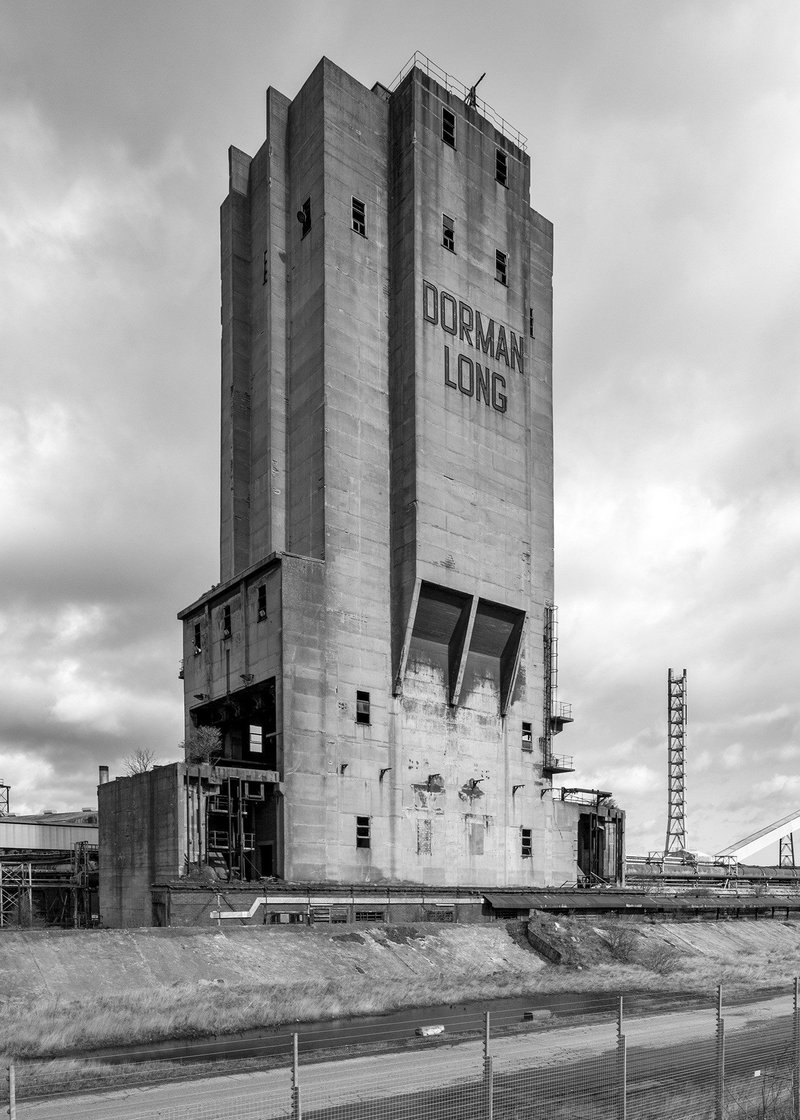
x=394, y=1027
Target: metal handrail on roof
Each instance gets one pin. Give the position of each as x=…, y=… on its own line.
x=454, y=85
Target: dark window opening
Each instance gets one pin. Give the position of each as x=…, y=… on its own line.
x=359, y=217
x=448, y=233
x=501, y=267
x=448, y=128
x=531, y=326
x=262, y=602
x=501, y=167
x=198, y=638
x=363, y=832
x=267, y=854
x=304, y=217
x=226, y=622
x=265, y=277
x=527, y=737
x=362, y=707
x=258, y=735
x=370, y=916
x=527, y=843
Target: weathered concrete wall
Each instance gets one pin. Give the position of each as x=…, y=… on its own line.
x=254, y=647
x=193, y=905
x=141, y=830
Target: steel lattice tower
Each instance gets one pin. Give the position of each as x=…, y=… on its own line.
x=786, y=851
x=676, y=816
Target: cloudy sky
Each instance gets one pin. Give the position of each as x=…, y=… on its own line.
x=665, y=148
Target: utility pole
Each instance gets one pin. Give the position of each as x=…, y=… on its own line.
x=676, y=776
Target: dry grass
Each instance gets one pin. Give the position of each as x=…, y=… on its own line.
x=53, y=1027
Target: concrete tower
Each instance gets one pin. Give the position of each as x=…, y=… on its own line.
x=375, y=649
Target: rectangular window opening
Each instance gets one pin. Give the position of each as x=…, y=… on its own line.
x=531, y=325
x=304, y=217
x=527, y=737
x=501, y=167
x=198, y=638
x=527, y=843
x=226, y=622
x=262, y=603
x=501, y=267
x=363, y=838
x=362, y=707
x=359, y=217
x=448, y=233
x=448, y=128
x=370, y=916
x=256, y=739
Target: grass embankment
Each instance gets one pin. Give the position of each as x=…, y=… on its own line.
x=618, y=957
x=612, y=957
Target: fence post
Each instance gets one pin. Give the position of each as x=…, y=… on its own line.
x=297, y=1111
x=720, y=1070
x=12, y=1090
x=488, y=1074
x=796, y=1052
x=622, y=1068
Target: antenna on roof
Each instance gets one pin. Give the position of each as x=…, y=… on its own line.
x=471, y=101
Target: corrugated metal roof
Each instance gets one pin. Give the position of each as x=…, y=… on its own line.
x=511, y=901
x=633, y=903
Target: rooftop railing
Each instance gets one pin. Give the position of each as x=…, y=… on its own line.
x=454, y=85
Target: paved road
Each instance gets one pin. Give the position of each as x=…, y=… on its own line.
x=657, y=1043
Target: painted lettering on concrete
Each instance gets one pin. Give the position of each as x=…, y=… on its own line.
x=440, y=308
x=465, y=324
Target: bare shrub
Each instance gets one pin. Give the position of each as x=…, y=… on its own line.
x=659, y=957
x=203, y=745
x=139, y=761
x=622, y=941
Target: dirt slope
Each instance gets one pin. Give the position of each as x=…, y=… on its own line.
x=78, y=962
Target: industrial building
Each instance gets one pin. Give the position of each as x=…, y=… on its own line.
x=380, y=654
x=48, y=867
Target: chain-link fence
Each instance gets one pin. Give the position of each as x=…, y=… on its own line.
x=590, y=1057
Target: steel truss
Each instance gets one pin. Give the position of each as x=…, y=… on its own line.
x=676, y=775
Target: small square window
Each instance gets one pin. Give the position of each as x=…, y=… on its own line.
x=304, y=217
x=226, y=622
x=448, y=233
x=262, y=603
x=448, y=128
x=501, y=267
x=531, y=326
x=362, y=707
x=198, y=638
x=359, y=217
x=501, y=167
x=363, y=838
x=527, y=843
x=527, y=737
